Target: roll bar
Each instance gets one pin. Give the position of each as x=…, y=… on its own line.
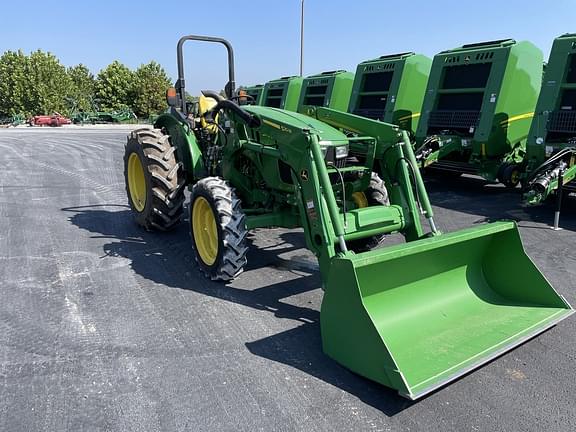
x=180, y=83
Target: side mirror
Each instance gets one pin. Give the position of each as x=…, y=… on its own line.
x=172, y=98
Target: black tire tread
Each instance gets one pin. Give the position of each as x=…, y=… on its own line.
x=376, y=194
x=232, y=223
x=166, y=176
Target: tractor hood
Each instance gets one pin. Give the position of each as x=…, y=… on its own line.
x=288, y=122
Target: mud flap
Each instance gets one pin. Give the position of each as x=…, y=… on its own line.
x=417, y=316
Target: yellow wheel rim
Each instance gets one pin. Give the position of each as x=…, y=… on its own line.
x=205, y=231
x=136, y=182
x=360, y=199
x=515, y=177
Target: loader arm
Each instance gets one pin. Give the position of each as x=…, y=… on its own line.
x=396, y=164
x=327, y=227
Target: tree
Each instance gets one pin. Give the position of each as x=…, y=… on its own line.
x=113, y=86
x=40, y=84
x=13, y=83
x=149, y=89
x=83, y=86
x=47, y=84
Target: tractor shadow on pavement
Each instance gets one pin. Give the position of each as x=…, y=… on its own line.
x=167, y=259
x=475, y=196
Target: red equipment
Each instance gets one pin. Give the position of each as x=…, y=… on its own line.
x=55, y=119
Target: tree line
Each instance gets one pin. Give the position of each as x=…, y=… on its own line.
x=39, y=84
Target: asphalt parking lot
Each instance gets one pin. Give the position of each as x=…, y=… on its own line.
x=107, y=327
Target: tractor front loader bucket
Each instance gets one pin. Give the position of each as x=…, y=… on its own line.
x=416, y=316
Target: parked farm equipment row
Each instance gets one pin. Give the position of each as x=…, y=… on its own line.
x=101, y=117
x=12, y=121
x=479, y=109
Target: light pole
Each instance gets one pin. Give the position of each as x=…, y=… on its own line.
x=301, y=35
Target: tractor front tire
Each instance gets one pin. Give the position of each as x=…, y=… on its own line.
x=218, y=229
x=154, y=179
x=375, y=194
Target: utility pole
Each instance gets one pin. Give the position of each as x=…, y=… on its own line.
x=301, y=36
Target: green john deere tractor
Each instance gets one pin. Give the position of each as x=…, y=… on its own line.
x=413, y=316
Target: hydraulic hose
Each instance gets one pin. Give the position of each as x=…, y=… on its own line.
x=328, y=192
x=546, y=163
x=222, y=103
x=422, y=194
x=212, y=94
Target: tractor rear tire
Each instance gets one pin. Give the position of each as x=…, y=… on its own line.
x=154, y=179
x=376, y=194
x=218, y=229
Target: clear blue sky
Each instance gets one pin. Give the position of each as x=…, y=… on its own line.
x=265, y=34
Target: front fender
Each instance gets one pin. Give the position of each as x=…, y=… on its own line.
x=187, y=148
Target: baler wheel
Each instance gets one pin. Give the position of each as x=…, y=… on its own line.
x=510, y=175
x=154, y=179
x=218, y=229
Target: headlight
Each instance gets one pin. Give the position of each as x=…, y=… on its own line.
x=324, y=145
x=341, y=152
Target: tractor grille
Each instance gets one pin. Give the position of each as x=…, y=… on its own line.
x=454, y=119
x=341, y=163
x=562, y=121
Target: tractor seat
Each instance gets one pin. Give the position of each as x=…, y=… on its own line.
x=205, y=104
